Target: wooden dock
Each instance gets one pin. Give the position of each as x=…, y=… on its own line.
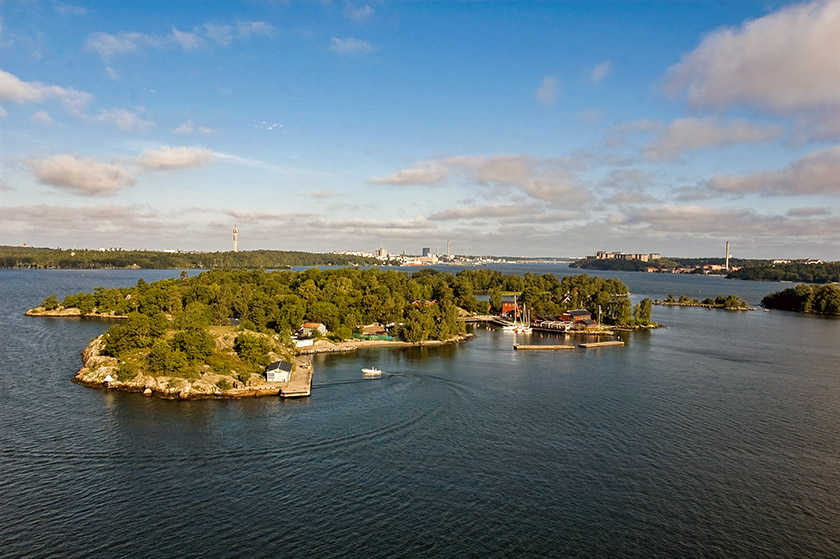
x=300, y=383
x=544, y=347
x=602, y=344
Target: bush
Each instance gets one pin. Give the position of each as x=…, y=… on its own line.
x=128, y=370
x=223, y=384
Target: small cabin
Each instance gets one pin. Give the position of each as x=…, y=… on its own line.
x=279, y=371
x=309, y=327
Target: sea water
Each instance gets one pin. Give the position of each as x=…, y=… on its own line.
x=718, y=436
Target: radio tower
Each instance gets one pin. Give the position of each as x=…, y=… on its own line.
x=727, y=256
x=235, y=234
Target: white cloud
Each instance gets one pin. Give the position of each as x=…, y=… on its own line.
x=358, y=13
x=41, y=117
x=89, y=177
x=82, y=176
x=123, y=119
x=349, y=46
x=814, y=174
x=785, y=63
x=548, y=91
x=187, y=40
x=3, y=113
x=549, y=180
x=185, y=129
x=15, y=90
x=226, y=34
x=69, y=9
x=425, y=173
x=600, y=71
x=692, y=133
x=167, y=158
x=108, y=46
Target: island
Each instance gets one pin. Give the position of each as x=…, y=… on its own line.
x=725, y=302
x=214, y=335
x=809, y=299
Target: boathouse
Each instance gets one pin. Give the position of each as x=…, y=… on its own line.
x=279, y=371
x=577, y=315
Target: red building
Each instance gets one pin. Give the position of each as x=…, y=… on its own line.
x=578, y=315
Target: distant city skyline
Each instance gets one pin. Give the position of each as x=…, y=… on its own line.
x=507, y=128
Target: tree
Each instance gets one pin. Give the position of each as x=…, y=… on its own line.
x=50, y=303
x=195, y=344
x=495, y=295
x=642, y=312
x=252, y=349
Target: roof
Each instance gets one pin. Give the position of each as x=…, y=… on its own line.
x=580, y=312
x=312, y=325
x=279, y=366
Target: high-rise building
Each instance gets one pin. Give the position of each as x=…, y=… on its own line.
x=427, y=251
x=235, y=235
x=381, y=253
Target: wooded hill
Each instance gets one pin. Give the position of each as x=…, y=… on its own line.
x=31, y=257
x=793, y=271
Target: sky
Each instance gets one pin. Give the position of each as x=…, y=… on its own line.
x=507, y=128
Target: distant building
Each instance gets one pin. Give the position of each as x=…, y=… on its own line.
x=279, y=371
x=603, y=255
x=381, y=253
x=427, y=251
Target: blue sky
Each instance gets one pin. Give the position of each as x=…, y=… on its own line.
x=536, y=129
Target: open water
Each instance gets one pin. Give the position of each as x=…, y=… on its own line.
x=718, y=436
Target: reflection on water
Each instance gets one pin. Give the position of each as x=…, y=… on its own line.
x=716, y=436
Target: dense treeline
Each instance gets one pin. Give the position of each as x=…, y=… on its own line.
x=30, y=257
x=794, y=271
x=822, y=299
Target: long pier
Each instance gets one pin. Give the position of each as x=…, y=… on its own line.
x=543, y=347
x=602, y=344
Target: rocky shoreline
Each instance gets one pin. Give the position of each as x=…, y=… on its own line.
x=71, y=313
x=101, y=371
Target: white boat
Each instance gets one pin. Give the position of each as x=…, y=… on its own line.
x=371, y=372
x=512, y=327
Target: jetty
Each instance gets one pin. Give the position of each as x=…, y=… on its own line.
x=300, y=381
x=602, y=344
x=543, y=347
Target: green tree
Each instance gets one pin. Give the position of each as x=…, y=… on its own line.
x=50, y=303
x=252, y=349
